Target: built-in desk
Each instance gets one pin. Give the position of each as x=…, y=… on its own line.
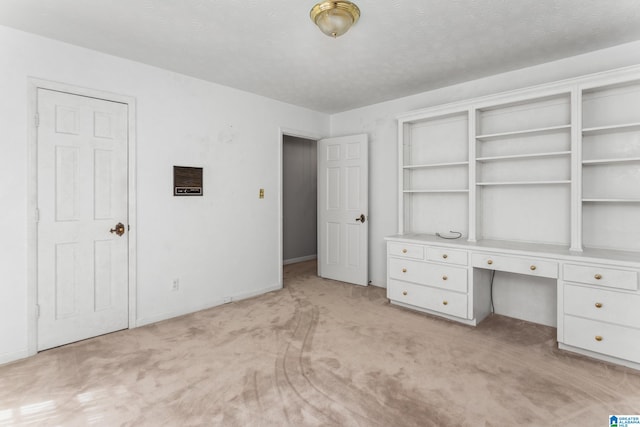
x=597, y=290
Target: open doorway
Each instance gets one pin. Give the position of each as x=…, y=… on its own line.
x=331, y=208
x=299, y=202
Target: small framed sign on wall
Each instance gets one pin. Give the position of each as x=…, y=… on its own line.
x=187, y=181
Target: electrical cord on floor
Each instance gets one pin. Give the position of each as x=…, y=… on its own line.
x=493, y=273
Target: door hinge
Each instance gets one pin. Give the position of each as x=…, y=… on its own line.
x=37, y=215
x=37, y=119
x=37, y=310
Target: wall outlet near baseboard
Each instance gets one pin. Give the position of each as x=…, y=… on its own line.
x=175, y=285
x=226, y=300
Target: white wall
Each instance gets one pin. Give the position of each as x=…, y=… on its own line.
x=378, y=121
x=208, y=242
x=299, y=202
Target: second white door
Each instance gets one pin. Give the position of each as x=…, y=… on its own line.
x=82, y=228
x=343, y=235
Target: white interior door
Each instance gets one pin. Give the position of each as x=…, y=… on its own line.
x=343, y=206
x=82, y=195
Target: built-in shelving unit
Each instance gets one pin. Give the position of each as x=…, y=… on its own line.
x=544, y=185
x=558, y=164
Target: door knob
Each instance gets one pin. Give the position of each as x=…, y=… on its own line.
x=119, y=230
x=361, y=218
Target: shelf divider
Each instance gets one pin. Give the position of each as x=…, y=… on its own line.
x=436, y=165
x=611, y=200
x=526, y=132
x=609, y=161
x=523, y=183
x=436, y=191
x=612, y=128
x=524, y=156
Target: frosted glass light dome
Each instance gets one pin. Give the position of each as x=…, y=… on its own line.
x=334, y=18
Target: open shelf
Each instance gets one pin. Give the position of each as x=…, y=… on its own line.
x=610, y=161
x=435, y=165
x=434, y=172
x=524, y=183
x=611, y=200
x=436, y=191
x=613, y=128
x=527, y=132
x=524, y=156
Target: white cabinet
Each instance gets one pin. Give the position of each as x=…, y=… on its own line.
x=598, y=294
x=438, y=283
x=600, y=320
x=543, y=181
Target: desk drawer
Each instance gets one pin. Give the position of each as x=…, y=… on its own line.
x=598, y=304
x=605, y=338
x=612, y=278
x=406, y=250
x=529, y=266
x=438, y=275
x=439, y=300
x=447, y=255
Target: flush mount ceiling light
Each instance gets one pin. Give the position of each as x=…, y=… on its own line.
x=334, y=18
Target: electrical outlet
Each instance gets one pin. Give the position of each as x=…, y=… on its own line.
x=261, y=194
x=175, y=285
x=226, y=300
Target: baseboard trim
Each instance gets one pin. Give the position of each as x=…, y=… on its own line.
x=13, y=356
x=599, y=356
x=299, y=259
x=210, y=304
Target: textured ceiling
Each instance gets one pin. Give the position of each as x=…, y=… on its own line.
x=271, y=48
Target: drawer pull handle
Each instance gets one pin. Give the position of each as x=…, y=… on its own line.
x=532, y=268
x=445, y=302
x=445, y=256
x=404, y=270
x=598, y=276
x=598, y=338
x=404, y=251
x=444, y=277
x=404, y=292
x=598, y=305
x=489, y=262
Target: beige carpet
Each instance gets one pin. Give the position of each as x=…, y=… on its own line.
x=318, y=353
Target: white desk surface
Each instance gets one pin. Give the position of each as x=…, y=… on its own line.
x=558, y=252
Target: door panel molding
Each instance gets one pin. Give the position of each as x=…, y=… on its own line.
x=343, y=203
x=33, y=84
